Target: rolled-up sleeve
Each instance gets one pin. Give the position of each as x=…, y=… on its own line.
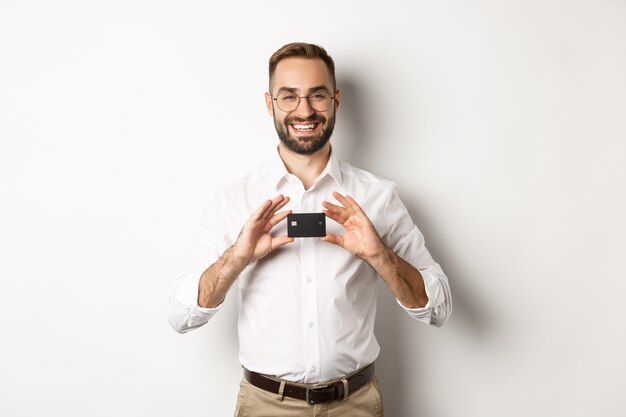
x=208, y=244
x=405, y=239
x=184, y=312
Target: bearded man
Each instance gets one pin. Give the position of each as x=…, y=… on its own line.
x=307, y=305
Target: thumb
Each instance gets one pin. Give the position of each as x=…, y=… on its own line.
x=334, y=239
x=280, y=241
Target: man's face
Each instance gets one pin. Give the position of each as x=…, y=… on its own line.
x=303, y=130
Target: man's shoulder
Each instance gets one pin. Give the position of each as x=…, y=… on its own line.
x=260, y=174
x=351, y=173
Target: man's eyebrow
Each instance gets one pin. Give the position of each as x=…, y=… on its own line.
x=296, y=90
x=289, y=89
x=319, y=88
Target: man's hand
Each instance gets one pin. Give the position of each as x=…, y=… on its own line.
x=254, y=241
x=360, y=239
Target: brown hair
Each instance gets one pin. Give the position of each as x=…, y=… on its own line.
x=302, y=50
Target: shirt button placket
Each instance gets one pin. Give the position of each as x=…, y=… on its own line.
x=309, y=297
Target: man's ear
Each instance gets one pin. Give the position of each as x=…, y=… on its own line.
x=268, y=104
x=337, y=99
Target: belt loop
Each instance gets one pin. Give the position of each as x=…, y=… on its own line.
x=281, y=391
x=346, y=390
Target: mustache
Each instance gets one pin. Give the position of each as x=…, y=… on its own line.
x=312, y=118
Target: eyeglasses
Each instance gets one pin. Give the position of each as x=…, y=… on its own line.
x=288, y=101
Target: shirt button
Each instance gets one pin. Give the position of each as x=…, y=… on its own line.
x=308, y=279
x=310, y=325
x=313, y=369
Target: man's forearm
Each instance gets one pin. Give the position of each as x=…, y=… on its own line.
x=253, y=243
x=218, y=278
x=404, y=281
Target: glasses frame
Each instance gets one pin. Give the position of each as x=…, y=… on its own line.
x=308, y=98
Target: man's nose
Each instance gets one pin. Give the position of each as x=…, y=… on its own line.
x=304, y=107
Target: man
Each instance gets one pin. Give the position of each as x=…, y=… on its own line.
x=307, y=306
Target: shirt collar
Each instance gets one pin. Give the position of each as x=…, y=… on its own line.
x=278, y=170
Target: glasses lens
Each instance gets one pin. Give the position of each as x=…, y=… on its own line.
x=287, y=101
x=320, y=101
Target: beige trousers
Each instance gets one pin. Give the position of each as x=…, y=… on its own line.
x=255, y=402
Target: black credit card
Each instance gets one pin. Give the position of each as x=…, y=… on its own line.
x=306, y=225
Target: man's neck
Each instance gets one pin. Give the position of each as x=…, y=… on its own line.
x=306, y=167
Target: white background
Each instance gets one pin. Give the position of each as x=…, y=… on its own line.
x=503, y=122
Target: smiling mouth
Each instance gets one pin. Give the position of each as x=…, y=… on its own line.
x=304, y=127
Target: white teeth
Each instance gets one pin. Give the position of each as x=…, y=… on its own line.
x=303, y=127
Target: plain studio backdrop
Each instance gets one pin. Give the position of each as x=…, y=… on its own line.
x=503, y=123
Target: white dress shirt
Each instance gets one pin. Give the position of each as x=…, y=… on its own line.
x=307, y=310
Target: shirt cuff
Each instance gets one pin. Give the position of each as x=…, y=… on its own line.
x=200, y=315
x=420, y=313
x=431, y=284
x=187, y=299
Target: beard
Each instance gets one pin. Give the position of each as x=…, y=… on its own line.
x=305, y=145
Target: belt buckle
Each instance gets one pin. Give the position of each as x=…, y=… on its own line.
x=309, y=400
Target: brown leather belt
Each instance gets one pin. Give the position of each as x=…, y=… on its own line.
x=314, y=395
